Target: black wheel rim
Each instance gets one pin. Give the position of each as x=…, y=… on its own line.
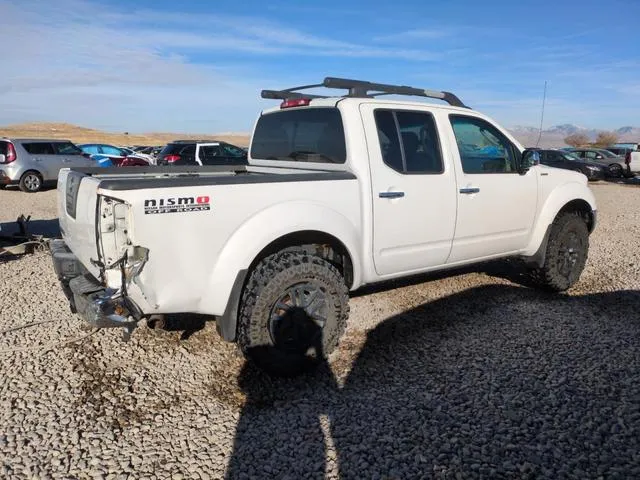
x=297, y=318
x=615, y=170
x=569, y=253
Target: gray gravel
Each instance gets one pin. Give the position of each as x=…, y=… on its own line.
x=462, y=376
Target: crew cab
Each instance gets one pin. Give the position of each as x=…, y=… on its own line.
x=339, y=192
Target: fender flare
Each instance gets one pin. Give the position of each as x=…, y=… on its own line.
x=232, y=266
x=559, y=199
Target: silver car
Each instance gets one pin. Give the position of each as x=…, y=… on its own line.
x=31, y=163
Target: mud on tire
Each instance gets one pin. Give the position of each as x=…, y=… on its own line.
x=276, y=330
x=566, y=253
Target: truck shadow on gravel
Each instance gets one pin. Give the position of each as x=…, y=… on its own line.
x=497, y=382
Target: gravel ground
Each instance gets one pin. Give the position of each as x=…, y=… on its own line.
x=461, y=376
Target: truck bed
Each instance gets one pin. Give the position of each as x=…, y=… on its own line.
x=136, y=178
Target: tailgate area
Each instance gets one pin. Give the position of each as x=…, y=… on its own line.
x=77, y=212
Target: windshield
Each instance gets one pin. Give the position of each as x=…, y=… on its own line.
x=304, y=134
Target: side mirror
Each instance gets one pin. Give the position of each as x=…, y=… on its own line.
x=599, y=157
x=530, y=158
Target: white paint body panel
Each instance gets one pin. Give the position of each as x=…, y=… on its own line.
x=194, y=257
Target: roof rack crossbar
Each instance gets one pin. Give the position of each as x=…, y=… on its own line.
x=287, y=94
x=361, y=88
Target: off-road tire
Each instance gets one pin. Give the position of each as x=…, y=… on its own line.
x=270, y=279
x=551, y=276
x=26, y=185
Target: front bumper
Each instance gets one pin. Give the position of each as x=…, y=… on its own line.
x=99, y=306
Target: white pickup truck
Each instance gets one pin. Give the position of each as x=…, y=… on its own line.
x=339, y=192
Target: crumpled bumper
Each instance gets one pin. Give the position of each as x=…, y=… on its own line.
x=99, y=306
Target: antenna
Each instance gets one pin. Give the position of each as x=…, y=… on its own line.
x=544, y=97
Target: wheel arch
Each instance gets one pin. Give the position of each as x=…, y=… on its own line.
x=315, y=228
x=559, y=202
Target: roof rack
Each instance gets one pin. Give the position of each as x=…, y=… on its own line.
x=361, y=89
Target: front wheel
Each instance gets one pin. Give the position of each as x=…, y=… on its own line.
x=293, y=312
x=615, y=170
x=566, y=254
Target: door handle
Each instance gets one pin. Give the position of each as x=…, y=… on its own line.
x=391, y=194
x=469, y=190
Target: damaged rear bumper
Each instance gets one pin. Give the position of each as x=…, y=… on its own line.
x=100, y=306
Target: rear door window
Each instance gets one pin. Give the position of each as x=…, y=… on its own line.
x=303, y=135
x=66, y=148
x=210, y=154
x=39, y=148
x=409, y=141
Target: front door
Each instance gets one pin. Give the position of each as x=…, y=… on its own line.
x=496, y=204
x=413, y=189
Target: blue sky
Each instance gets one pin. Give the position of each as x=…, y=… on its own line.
x=198, y=66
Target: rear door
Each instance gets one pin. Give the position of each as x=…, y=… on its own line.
x=414, y=197
x=43, y=158
x=71, y=155
x=209, y=154
x=496, y=204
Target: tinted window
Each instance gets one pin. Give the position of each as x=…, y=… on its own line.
x=39, y=148
x=66, y=148
x=231, y=151
x=570, y=156
x=409, y=141
x=210, y=154
x=306, y=135
x=179, y=149
x=3, y=148
x=483, y=149
x=555, y=156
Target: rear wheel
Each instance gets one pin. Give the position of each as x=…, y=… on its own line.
x=30, y=182
x=566, y=254
x=293, y=312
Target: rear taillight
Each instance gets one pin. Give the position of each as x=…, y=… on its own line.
x=172, y=158
x=295, y=102
x=627, y=158
x=11, y=154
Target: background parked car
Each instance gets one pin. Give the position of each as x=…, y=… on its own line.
x=616, y=165
x=131, y=153
x=620, y=151
x=32, y=163
x=118, y=156
x=569, y=161
x=201, y=152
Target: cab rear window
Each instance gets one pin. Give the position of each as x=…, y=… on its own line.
x=303, y=135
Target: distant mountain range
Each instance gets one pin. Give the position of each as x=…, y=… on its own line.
x=554, y=136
